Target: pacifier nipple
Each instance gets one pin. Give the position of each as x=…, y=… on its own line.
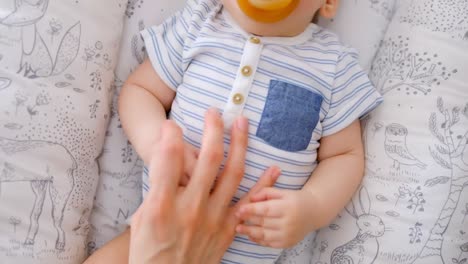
x=268, y=11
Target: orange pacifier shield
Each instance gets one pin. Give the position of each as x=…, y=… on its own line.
x=267, y=11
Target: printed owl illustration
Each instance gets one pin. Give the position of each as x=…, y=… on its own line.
x=396, y=148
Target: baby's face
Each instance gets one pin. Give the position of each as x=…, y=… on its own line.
x=273, y=17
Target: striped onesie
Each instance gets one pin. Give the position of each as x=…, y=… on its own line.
x=293, y=90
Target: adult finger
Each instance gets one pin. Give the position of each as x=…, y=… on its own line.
x=166, y=166
x=210, y=158
x=190, y=158
x=233, y=171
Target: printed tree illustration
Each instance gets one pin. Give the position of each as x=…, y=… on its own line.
x=447, y=16
x=396, y=67
x=465, y=213
x=448, y=154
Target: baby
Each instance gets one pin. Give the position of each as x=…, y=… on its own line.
x=302, y=91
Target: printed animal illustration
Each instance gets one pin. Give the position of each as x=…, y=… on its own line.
x=36, y=59
x=49, y=168
x=396, y=147
x=364, y=247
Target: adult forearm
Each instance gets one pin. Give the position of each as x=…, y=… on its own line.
x=332, y=185
x=141, y=115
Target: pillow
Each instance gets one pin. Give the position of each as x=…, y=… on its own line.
x=362, y=25
x=119, y=189
x=412, y=206
x=56, y=68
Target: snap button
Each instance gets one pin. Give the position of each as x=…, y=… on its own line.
x=246, y=71
x=238, y=99
x=254, y=40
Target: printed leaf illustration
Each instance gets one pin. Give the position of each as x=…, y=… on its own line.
x=69, y=77
x=433, y=128
x=381, y=198
x=78, y=90
x=334, y=227
x=442, y=162
x=13, y=126
x=392, y=213
x=437, y=180
x=62, y=84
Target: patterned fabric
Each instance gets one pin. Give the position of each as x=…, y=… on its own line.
x=56, y=70
x=211, y=62
x=412, y=206
x=119, y=188
x=362, y=25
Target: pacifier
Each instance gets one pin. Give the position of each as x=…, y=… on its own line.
x=267, y=11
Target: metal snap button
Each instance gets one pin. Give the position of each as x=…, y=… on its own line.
x=246, y=71
x=238, y=99
x=254, y=40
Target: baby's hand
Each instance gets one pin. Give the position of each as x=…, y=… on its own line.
x=190, y=158
x=276, y=218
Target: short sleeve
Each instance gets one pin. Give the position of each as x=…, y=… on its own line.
x=353, y=94
x=165, y=44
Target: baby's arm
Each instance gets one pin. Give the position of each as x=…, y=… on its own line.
x=143, y=103
x=116, y=251
x=281, y=218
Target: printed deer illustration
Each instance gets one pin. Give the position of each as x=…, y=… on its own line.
x=36, y=59
x=49, y=167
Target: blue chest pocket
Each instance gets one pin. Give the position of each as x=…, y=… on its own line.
x=290, y=115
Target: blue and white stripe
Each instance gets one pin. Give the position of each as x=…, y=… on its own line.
x=199, y=53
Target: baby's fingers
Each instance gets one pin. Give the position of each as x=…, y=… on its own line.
x=268, y=193
x=271, y=208
x=257, y=233
x=265, y=222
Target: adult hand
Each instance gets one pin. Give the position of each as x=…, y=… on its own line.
x=193, y=223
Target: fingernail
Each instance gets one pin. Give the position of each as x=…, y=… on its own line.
x=242, y=124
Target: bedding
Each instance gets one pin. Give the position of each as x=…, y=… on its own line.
x=413, y=202
x=56, y=69
x=61, y=70
x=119, y=187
